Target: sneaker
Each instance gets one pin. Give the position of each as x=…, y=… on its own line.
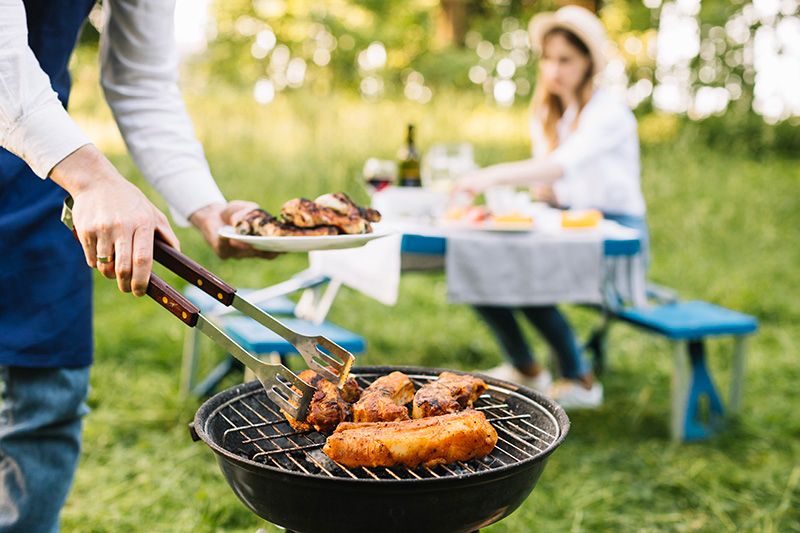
x=571, y=394
x=509, y=372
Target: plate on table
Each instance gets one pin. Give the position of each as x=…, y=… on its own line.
x=302, y=243
x=488, y=225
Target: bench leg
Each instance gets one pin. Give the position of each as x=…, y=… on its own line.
x=215, y=377
x=191, y=354
x=701, y=386
x=680, y=389
x=737, y=375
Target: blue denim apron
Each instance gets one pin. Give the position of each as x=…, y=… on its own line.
x=46, y=287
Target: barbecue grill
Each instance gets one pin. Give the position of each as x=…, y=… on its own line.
x=284, y=477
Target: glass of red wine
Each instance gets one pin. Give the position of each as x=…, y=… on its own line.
x=379, y=174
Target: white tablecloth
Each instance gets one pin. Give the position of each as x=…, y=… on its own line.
x=532, y=268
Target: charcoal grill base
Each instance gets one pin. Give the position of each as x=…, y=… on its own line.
x=462, y=508
x=280, y=484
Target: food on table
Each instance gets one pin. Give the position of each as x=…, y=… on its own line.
x=478, y=215
x=451, y=392
x=385, y=399
x=330, y=214
x=428, y=441
x=329, y=406
x=512, y=218
x=586, y=218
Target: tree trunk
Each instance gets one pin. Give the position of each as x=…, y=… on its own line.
x=452, y=23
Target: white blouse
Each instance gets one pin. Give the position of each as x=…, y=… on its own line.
x=600, y=157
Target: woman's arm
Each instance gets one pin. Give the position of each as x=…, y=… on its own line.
x=528, y=172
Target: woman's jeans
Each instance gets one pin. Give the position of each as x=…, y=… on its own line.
x=40, y=435
x=550, y=322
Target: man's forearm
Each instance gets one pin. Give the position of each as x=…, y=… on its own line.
x=82, y=168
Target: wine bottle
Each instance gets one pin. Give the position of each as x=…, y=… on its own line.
x=409, y=162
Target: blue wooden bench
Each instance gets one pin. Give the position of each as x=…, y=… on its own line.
x=253, y=337
x=697, y=409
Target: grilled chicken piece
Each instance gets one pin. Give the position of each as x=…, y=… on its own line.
x=429, y=441
x=279, y=229
x=342, y=204
x=304, y=213
x=385, y=399
x=448, y=394
x=254, y=222
x=329, y=406
x=260, y=222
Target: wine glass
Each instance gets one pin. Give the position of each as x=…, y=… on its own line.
x=379, y=174
x=444, y=163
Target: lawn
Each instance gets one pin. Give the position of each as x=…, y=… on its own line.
x=724, y=229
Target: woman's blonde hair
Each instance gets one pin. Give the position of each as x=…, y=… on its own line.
x=548, y=108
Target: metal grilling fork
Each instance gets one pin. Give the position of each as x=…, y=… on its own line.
x=331, y=361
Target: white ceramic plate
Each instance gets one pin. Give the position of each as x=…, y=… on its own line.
x=302, y=244
x=488, y=225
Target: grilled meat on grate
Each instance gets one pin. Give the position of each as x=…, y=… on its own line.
x=428, y=441
x=329, y=406
x=450, y=393
x=385, y=399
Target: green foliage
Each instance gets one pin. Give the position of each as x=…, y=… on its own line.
x=723, y=226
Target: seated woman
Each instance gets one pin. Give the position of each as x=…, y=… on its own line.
x=586, y=155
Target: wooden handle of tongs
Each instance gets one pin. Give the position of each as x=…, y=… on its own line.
x=191, y=271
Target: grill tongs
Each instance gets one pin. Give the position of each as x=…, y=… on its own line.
x=333, y=363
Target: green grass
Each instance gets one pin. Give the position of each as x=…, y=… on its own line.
x=724, y=229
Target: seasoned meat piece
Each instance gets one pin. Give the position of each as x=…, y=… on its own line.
x=448, y=394
x=260, y=222
x=342, y=204
x=329, y=406
x=304, y=213
x=429, y=441
x=254, y=222
x=279, y=229
x=385, y=399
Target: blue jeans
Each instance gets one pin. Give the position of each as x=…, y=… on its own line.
x=553, y=326
x=40, y=435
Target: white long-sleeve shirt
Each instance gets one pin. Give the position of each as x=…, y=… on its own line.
x=600, y=158
x=139, y=75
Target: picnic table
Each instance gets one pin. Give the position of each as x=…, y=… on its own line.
x=588, y=266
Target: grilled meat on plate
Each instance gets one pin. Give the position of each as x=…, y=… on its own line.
x=304, y=213
x=429, y=441
x=342, y=204
x=385, y=399
x=451, y=392
x=260, y=222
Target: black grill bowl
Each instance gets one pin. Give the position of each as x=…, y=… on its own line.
x=312, y=503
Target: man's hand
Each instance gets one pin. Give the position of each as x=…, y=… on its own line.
x=114, y=220
x=212, y=217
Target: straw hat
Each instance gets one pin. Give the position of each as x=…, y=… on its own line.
x=578, y=20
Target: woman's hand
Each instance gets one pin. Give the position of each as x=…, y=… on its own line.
x=114, y=220
x=477, y=181
x=212, y=217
